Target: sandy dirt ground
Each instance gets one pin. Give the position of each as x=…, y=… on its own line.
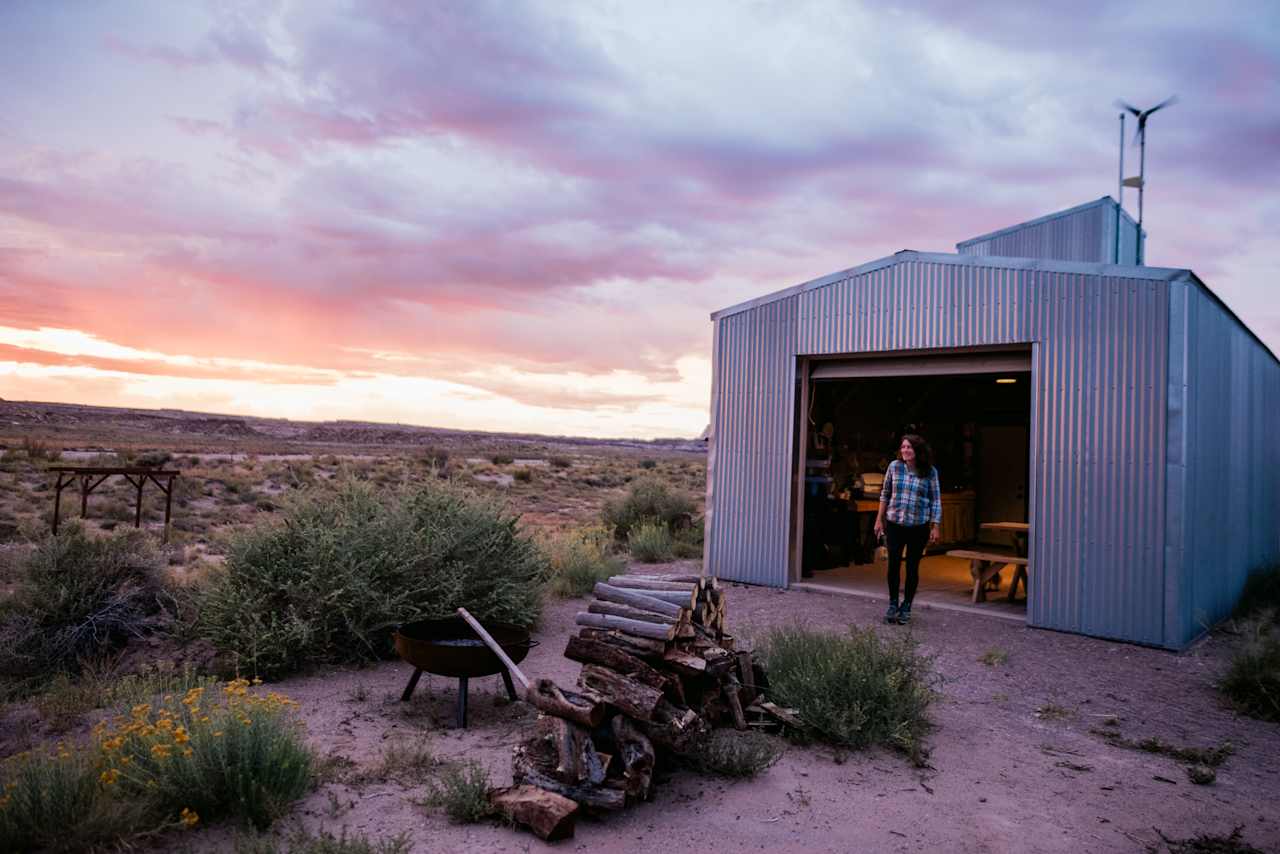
x=1014, y=766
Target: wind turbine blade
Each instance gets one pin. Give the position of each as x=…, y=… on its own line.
x=1121, y=105
x=1167, y=102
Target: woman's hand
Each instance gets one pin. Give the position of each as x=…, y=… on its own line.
x=879, y=527
x=934, y=533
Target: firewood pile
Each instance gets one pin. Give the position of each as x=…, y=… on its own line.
x=659, y=671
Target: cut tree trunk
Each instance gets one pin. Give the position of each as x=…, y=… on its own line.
x=636, y=599
x=639, y=628
x=599, y=798
x=651, y=583
x=637, y=755
x=615, y=610
x=641, y=647
x=546, y=696
x=589, y=651
x=630, y=697
x=550, y=816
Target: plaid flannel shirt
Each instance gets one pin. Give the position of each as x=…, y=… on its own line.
x=912, y=500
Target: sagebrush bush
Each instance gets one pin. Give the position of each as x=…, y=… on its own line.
x=1253, y=680
x=502, y=459
x=650, y=542
x=729, y=753
x=188, y=761
x=853, y=689
x=560, y=462
x=523, y=474
x=579, y=559
x=79, y=597
x=647, y=500
x=342, y=566
x=463, y=791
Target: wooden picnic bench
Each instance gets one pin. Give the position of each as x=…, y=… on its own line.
x=983, y=566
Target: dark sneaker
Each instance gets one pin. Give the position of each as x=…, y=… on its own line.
x=891, y=615
x=904, y=614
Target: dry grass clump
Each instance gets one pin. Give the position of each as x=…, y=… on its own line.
x=651, y=542
x=729, y=753
x=323, y=843
x=462, y=789
x=79, y=597
x=1253, y=681
x=855, y=689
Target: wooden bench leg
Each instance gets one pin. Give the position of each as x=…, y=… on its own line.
x=976, y=568
x=1020, y=574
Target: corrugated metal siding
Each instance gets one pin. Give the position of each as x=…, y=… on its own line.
x=1224, y=496
x=1086, y=233
x=1098, y=453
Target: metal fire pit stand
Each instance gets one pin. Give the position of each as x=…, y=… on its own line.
x=462, y=692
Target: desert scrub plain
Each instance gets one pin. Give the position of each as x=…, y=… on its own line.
x=963, y=734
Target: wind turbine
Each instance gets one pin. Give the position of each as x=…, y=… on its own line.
x=1141, y=138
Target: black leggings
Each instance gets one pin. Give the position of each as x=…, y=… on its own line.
x=914, y=537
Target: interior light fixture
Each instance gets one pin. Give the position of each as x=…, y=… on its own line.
x=1006, y=380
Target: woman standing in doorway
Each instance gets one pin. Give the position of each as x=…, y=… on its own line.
x=909, y=517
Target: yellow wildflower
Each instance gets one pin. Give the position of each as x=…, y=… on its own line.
x=180, y=736
x=189, y=817
x=160, y=751
x=142, y=710
x=187, y=752
x=217, y=733
x=109, y=776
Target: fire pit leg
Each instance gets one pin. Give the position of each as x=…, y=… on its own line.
x=511, y=689
x=462, y=702
x=413, y=683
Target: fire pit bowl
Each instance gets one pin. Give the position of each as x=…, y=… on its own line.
x=449, y=647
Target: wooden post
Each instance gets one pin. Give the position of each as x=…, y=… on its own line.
x=168, y=507
x=57, y=503
x=84, y=496
x=137, y=512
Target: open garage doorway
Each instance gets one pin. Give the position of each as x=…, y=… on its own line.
x=975, y=411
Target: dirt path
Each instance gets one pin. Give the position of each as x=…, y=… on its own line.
x=1004, y=777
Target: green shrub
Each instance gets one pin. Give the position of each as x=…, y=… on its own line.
x=341, y=567
x=854, y=689
x=323, y=843
x=650, y=542
x=80, y=597
x=738, y=754
x=502, y=459
x=647, y=500
x=1261, y=593
x=524, y=475
x=435, y=457
x=463, y=791
x=192, y=760
x=686, y=540
x=560, y=462
x=1253, y=680
x=580, y=559
x=648, y=464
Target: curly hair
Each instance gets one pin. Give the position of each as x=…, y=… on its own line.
x=924, y=454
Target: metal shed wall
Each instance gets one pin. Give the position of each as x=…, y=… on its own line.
x=1099, y=362
x=1223, y=460
x=1085, y=233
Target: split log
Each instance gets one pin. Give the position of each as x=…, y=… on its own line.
x=632, y=698
x=599, y=798
x=549, y=815
x=636, y=599
x=639, y=628
x=616, y=610
x=637, y=755
x=789, y=717
x=588, y=651
x=641, y=647
x=730, y=691
x=651, y=584
x=682, y=599
x=576, y=758
x=679, y=730
x=546, y=696
x=686, y=663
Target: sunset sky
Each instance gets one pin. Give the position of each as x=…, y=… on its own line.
x=517, y=216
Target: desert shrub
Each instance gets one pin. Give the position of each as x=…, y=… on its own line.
x=686, y=540
x=524, y=475
x=39, y=450
x=1253, y=680
x=154, y=459
x=579, y=559
x=560, y=462
x=328, y=577
x=650, y=542
x=65, y=700
x=435, y=457
x=188, y=761
x=728, y=753
x=462, y=789
x=853, y=689
x=78, y=598
x=648, y=464
x=1261, y=593
x=502, y=459
x=324, y=842
x=648, y=500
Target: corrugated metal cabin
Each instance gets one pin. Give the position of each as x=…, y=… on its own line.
x=1152, y=483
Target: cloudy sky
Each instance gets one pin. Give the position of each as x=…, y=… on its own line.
x=517, y=216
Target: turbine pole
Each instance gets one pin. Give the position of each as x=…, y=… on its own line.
x=1115, y=255
x=1142, y=182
